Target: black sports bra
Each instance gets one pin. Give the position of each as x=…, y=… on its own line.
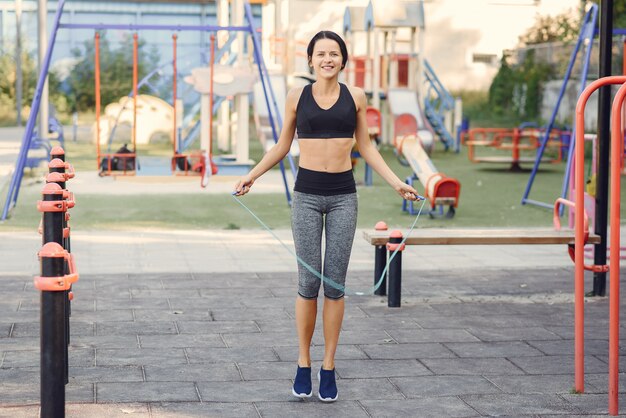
x=339, y=121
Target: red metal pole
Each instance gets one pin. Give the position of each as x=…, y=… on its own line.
x=135, y=71
x=174, y=92
x=617, y=141
x=97, y=89
x=579, y=275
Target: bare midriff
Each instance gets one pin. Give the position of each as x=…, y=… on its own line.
x=331, y=155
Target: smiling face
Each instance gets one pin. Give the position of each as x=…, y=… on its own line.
x=326, y=60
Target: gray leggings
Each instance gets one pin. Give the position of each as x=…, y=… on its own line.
x=336, y=215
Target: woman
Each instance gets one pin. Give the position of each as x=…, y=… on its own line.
x=328, y=117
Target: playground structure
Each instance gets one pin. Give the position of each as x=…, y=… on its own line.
x=383, y=68
x=510, y=144
x=396, y=86
x=241, y=100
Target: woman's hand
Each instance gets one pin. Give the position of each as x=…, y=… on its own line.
x=407, y=192
x=244, y=185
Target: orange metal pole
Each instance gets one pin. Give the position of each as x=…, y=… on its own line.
x=174, y=92
x=97, y=91
x=135, y=71
x=579, y=275
x=617, y=141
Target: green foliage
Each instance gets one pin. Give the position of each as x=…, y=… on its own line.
x=560, y=28
x=619, y=13
x=8, y=78
x=116, y=71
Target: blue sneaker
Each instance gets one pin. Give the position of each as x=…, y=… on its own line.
x=302, y=387
x=328, y=386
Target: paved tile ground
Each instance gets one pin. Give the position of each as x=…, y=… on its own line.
x=465, y=343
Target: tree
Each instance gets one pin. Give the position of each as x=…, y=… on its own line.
x=560, y=28
x=116, y=70
x=501, y=89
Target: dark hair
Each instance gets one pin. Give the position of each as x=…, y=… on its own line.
x=327, y=34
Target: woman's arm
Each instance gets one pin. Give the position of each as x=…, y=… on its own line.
x=278, y=151
x=371, y=154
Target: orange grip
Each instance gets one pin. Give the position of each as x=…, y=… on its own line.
x=52, y=206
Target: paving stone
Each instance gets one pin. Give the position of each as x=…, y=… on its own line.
x=435, y=407
x=344, y=352
x=5, y=330
x=311, y=408
x=135, y=328
x=140, y=356
x=186, y=314
x=207, y=372
x=493, y=349
x=203, y=409
x=12, y=393
x=391, y=351
x=367, y=324
x=181, y=341
x=20, y=375
x=512, y=334
x=430, y=386
x=537, y=384
x=470, y=366
x=149, y=303
x=266, y=339
x=105, y=374
x=599, y=382
x=105, y=341
x=239, y=314
x=559, y=347
x=30, y=358
x=235, y=355
x=100, y=316
x=557, y=364
x=26, y=343
x=164, y=293
x=593, y=403
x=357, y=389
x=350, y=369
x=25, y=411
x=33, y=329
x=248, y=391
x=515, y=405
x=431, y=335
x=216, y=327
x=146, y=391
x=134, y=410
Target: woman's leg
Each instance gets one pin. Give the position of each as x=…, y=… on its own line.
x=340, y=226
x=306, y=313
x=307, y=224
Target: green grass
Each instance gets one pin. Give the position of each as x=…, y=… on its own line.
x=490, y=197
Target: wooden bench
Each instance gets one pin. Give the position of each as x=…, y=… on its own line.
x=461, y=236
x=486, y=236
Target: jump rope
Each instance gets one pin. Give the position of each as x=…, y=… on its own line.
x=319, y=275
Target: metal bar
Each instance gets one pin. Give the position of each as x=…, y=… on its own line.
x=604, y=131
x=16, y=180
x=592, y=13
x=617, y=142
x=134, y=27
x=263, y=73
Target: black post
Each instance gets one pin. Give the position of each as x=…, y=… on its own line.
x=395, y=270
x=380, y=261
x=52, y=316
x=604, y=145
x=56, y=168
